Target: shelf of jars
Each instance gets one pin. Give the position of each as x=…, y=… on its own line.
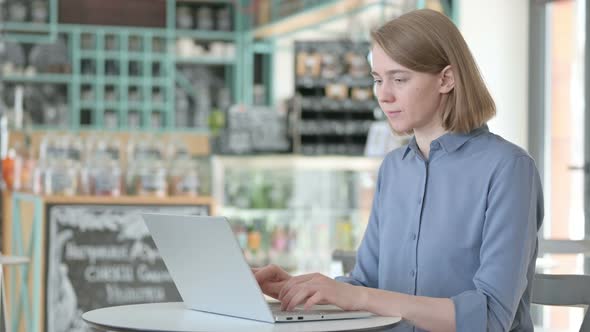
x=104, y=165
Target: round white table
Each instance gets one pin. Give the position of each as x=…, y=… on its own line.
x=176, y=317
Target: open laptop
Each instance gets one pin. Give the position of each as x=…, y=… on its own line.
x=211, y=274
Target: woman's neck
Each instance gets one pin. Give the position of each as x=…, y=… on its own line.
x=425, y=136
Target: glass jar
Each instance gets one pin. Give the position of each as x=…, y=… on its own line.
x=106, y=179
x=184, y=178
x=61, y=178
x=141, y=149
x=151, y=180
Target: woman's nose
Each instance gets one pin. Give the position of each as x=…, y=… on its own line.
x=384, y=95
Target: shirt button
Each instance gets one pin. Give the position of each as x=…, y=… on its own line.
x=434, y=145
x=419, y=201
x=414, y=236
x=413, y=273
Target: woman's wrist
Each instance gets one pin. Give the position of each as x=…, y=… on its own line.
x=364, y=298
x=384, y=303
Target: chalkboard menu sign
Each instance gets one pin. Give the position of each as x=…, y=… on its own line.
x=100, y=256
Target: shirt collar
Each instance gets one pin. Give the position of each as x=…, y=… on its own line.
x=412, y=146
x=450, y=142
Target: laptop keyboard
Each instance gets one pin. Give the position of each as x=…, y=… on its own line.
x=276, y=309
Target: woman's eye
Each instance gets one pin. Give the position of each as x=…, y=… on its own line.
x=399, y=80
x=376, y=81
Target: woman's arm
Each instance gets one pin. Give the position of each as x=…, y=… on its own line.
x=427, y=313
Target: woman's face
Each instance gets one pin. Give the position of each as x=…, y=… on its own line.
x=411, y=100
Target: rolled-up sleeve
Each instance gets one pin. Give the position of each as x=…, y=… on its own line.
x=509, y=242
x=365, y=272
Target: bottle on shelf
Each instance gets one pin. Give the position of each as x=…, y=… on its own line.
x=24, y=167
x=8, y=168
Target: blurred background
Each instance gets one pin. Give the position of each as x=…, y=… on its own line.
x=258, y=110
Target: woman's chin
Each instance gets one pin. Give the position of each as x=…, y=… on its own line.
x=399, y=128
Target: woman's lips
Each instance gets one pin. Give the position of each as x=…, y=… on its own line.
x=393, y=113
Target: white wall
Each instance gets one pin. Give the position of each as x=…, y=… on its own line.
x=497, y=34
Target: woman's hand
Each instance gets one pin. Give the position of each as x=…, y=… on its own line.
x=271, y=279
x=315, y=288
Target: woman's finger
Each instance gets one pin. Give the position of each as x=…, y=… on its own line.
x=301, y=288
x=299, y=296
x=270, y=272
x=288, y=295
x=272, y=289
x=316, y=298
x=294, y=281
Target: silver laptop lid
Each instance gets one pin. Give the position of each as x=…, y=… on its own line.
x=207, y=265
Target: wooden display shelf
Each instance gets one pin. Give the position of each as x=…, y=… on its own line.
x=128, y=200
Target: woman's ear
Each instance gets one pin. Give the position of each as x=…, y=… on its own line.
x=447, y=80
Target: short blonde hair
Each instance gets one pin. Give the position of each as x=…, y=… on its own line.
x=427, y=41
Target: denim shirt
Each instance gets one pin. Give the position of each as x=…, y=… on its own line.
x=461, y=225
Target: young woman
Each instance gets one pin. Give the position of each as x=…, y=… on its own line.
x=452, y=238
